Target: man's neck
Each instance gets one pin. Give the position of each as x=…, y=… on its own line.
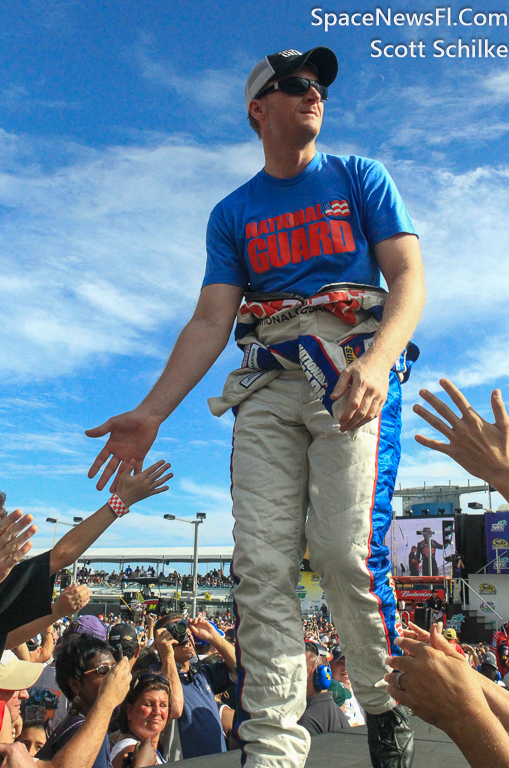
x=284, y=162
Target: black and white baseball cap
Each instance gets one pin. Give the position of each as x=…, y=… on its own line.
x=281, y=64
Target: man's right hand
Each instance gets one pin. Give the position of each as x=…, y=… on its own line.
x=164, y=642
x=131, y=437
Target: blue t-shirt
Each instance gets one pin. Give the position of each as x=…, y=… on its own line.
x=299, y=234
x=200, y=728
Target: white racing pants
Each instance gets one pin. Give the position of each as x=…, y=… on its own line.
x=297, y=480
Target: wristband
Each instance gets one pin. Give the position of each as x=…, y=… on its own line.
x=118, y=506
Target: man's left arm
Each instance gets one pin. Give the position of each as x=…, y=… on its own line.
x=367, y=378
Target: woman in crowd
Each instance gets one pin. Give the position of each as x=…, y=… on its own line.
x=83, y=667
x=143, y=715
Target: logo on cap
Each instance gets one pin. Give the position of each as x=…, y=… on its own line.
x=289, y=52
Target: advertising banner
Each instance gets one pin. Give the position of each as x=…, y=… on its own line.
x=310, y=592
x=497, y=541
x=419, y=547
x=489, y=593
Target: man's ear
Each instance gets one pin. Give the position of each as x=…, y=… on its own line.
x=257, y=108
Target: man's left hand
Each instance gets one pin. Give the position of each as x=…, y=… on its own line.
x=204, y=630
x=364, y=383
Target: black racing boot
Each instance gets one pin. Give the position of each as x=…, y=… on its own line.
x=390, y=739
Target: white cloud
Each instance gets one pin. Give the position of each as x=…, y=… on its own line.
x=101, y=253
x=219, y=89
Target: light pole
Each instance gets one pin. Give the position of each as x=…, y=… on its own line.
x=77, y=521
x=200, y=517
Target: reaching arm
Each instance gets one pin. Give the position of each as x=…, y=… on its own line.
x=164, y=643
x=436, y=683
x=206, y=631
x=367, y=378
x=443, y=690
x=198, y=346
x=72, y=599
x=48, y=644
x=131, y=490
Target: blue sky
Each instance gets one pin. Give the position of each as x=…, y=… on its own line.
x=122, y=124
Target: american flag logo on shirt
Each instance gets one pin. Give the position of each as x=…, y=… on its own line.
x=336, y=208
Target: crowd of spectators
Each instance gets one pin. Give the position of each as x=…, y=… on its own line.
x=212, y=580
x=111, y=692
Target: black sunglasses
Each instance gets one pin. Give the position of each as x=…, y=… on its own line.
x=296, y=86
x=146, y=677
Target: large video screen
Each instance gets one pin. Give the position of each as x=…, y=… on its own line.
x=419, y=547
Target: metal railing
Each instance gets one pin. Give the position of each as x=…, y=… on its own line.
x=495, y=559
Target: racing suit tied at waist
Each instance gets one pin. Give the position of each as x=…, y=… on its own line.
x=320, y=335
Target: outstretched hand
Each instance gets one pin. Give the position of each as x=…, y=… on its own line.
x=435, y=677
x=132, y=488
x=132, y=434
x=14, y=544
x=476, y=445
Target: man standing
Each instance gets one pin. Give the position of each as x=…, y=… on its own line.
x=317, y=402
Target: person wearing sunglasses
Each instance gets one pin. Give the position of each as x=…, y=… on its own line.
x=143, y=716
x=317, y=400
x=95, y=684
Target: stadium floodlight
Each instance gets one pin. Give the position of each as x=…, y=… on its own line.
x=78, y=519
x=200, y=517
x=52, y=520
x=475, y=505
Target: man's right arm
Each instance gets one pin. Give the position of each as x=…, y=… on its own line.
x=198, y=346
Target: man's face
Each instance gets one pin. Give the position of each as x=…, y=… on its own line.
x=292, y=117
x=183, y=653
x=338, y=669
x=13, y=700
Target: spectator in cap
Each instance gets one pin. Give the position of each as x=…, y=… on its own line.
x=352, y=709
x=15, y=677
x=87, y=624
x=321, y=715
x=340, y=691
x=451, y=637
x=123, y=638
x=489, y=668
